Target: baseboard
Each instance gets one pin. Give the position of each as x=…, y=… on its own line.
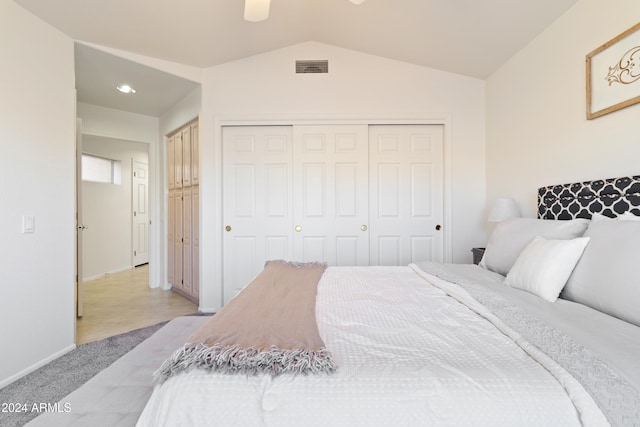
x=36, y=366
x=100, y=276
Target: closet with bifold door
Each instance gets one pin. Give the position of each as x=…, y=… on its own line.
x=183, y=242
x=346, y=194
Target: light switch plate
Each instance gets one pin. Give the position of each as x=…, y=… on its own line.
x=28, y=224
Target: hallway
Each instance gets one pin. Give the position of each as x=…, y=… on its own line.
x=122, y=302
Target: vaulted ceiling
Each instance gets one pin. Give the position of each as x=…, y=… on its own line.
x=468, y=37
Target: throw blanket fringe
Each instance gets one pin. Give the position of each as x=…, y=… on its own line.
x=248, y=361
x=268, y=328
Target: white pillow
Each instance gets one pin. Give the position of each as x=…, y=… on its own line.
x=599, y=217
x=606, y=278
x=512, y=235
x=544, y=266
x=628, y=216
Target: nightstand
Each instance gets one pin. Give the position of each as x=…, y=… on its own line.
x=477, y=254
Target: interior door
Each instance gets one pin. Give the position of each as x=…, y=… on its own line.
x=330, y=188
x=177, y=240
x=79, y=224
x=257, y=201
x=195, y=238
x=406, y=193
x=186, y=241
x=171, y=239
x=140, y=214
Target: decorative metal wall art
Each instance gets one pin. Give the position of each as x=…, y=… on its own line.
x=613, y=74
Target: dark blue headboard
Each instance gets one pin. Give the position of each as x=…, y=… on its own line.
x=610, y=197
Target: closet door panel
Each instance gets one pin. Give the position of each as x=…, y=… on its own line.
x=257, y=201
x=178, y=153
x=177, y=245
x=171, y=163
x=347, y=248
x=195, y=238
x=389, y=190
x=240, y=263
x=388, y=249
x=313, y=193
x=186, y=157
x=347, y=186
x=171, y=260
x=330, y=190
x=406, y=164
x=314, y=248
x=187, y=241
x=422, y=247
x=277, y=247
x=195, y=154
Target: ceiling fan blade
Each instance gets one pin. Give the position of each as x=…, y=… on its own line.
x=258, y=10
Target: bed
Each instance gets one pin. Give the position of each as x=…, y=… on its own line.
x=545, y=332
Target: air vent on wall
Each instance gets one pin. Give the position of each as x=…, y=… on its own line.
x=321, y=66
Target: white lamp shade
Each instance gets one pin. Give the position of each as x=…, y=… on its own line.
x=503, y=208
x=356, y=1
x=256, y=10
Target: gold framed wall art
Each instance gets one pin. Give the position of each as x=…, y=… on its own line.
x=613, y=74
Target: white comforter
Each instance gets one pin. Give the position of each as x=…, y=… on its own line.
x=408, y=355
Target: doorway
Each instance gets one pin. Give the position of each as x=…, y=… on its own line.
x=113, y=202
x=106, y=113
x=140, y=212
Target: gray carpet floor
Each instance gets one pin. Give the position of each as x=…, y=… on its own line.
x=54, y=381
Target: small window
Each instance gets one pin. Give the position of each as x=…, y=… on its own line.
x=99, y=169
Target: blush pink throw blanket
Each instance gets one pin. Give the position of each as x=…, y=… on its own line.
x=269, y=327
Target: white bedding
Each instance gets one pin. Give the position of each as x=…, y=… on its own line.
x=408, y=355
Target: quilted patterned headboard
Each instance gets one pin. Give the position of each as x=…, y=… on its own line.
x=610, y=197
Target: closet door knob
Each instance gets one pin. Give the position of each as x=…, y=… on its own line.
x=298, y=228
x=438, y=227
x=228, y=228
x=363, y=228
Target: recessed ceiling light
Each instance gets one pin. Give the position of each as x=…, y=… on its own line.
x=125, y=89
x=256, y=10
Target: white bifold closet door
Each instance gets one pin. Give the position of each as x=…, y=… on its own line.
x=341, y=194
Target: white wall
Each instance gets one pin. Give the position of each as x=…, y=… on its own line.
x=110, y=123
x=183, y=112
x=537, y=132
x=107, y=208
x=358, y=85
x=37, y=134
